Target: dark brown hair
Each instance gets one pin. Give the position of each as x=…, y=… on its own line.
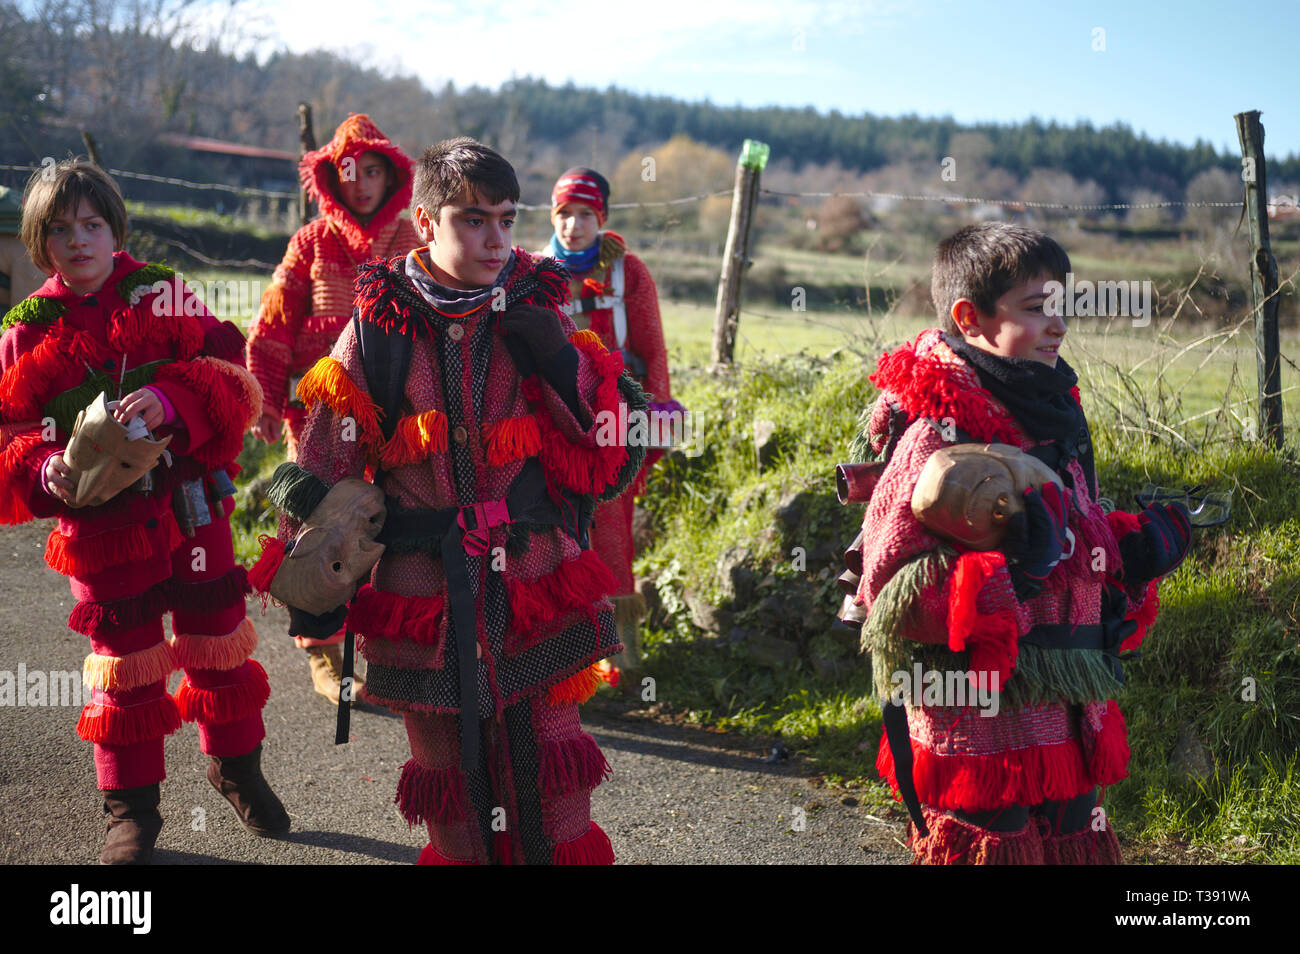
x=454, y=164
x=58, y=190
x=984, y=262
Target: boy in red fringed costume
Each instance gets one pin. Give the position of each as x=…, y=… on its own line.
x=361, y=182
x=1011, y=777
x=106, y=322
x=614, y=296
x=477, y=406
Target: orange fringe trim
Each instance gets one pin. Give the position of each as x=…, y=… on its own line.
x=130, y=671
x=578, y=688
x=222, y=704
x=88, y=555
x=511, y=439
x=328, y=382
x=273, y=312
x=590, y=848
x=417, y=436
x=215, y=652
x=587, y=339
x=126, y=725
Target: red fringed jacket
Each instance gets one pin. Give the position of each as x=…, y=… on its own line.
x=1072, y=737
x=540, y=603
x=310, y=297
x=58, y=352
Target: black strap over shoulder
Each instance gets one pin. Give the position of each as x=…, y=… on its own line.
x=386, y=358
x=900, y=420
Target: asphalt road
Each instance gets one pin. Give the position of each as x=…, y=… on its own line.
x=678, y=795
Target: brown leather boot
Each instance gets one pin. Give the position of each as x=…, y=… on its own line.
x=133, y=825
x=239, y=779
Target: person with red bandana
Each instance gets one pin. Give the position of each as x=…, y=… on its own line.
x=615, y=297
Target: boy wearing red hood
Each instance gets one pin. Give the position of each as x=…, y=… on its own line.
x=361, y=181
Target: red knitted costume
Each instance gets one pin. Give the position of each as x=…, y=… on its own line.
x=127, y=559
x=470, y=424
x=1058, y=732
x=310, y=297
x=611, y=533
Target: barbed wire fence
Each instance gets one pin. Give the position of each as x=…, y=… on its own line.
x=863, y=328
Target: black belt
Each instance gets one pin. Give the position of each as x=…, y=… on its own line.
x=452, y=533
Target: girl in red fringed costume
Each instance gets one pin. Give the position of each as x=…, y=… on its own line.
x=476, y=405
x=106, y=322
x=615, y=297
x=361, y=182
x=1011, y=777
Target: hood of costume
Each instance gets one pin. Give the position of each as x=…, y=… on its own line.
x=319, y=172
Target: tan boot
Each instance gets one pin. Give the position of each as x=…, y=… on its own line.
x=326, y=665
x=628, y=613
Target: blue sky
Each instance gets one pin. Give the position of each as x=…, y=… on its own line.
x=1175, y=70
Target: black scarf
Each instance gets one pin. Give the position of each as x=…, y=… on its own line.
x=1038, y=397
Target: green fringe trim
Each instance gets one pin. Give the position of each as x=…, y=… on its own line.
x=636, y=401
x=892, y=611
x=295, y=491
x=1041, y=675
x=65, y=407
x=144, y=276
x=860, y=451
x=1076, y=675
x=33, y=311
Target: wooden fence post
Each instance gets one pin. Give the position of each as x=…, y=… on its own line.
x=1263, y=278
x=307, y=142
x=92, y=147
x=735, y=259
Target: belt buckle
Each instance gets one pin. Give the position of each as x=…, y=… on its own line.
x=487, y=514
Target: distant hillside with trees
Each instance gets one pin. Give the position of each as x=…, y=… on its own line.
x=130, y=70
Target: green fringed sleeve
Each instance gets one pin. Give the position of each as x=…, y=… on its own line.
x=294, y=491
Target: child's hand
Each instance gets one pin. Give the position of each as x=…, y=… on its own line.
x=144, y=403
x=1036, y=540
x=267, y=429
x=539, y=327
x=1159, y=546
x=56, y=479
